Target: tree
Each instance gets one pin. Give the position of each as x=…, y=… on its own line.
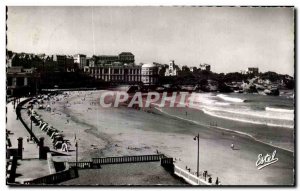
x=185, y=69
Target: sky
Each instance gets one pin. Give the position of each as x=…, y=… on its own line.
x=229, y=39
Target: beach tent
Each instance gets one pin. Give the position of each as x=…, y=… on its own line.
x=57, y=144
x=56, y=135
x=44, y=126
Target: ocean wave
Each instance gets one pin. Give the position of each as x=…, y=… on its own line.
x=252, y=113
x=205, y=99
x=245, y=120
x=223, y=128
x=222, y=103
x=279, y=110
x=230, y=99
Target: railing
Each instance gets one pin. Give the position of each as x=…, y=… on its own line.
x=188, y=177
x=166, y=161
x=82, y=165
x=18, y=112
x=55, y=178
x=126, y=159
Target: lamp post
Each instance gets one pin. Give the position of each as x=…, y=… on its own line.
x=197, y=138
x=31, y=111
x=76, y=145
x=31, y=127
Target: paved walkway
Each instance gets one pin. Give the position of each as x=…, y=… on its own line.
x=143, y=173
x=30, y=149
x=30, y=167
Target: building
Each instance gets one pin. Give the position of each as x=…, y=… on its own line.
x=60, y=59
x=9, y=58
x=123, y=58
x=204, y=67
x=21, y=82
x=243, y=72
x=90, y=62
x=80, y=59
x=116, y=73
x=252, y=70
x=71, y=66
x=106, y=59
x=149, y=74
x=61, y=62
x=29, y=70
x=172, y=70
x=126, y=57
x=192, y=68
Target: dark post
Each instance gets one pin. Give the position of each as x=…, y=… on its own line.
x=197, y=137
x=20, y=147
x=31, y=127
x=76, y=145
x=41, y=148
x=198, y=158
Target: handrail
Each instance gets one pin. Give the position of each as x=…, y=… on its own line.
x=18, y=112
x=54, y=178
x=126, y=159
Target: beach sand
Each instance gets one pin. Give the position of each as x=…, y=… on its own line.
x=125, y=131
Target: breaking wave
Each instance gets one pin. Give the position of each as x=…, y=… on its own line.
x=230, y=99
x=279, y=110
x=249, y=120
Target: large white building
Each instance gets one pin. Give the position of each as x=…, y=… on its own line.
x=171, y=71
x=149, y=74
x=125, y=73
x=118, y=74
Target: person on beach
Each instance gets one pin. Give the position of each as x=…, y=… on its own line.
x=209, y=180
x=232, y=146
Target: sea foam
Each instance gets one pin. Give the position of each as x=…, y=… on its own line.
x=279, y=110
x=230, y=99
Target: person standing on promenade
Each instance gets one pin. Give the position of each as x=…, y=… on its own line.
x=64, y=147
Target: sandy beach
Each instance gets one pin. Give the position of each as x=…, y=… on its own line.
x=125, y=131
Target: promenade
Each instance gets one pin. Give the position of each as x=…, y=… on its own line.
x=30, y=149
x=30, y=166
x=144, y=173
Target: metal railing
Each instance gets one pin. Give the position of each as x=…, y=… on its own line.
x=55, y=178
x=126, y=159
x=18, y=112
x=83, y=165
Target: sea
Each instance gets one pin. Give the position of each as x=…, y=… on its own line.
x=268, y=119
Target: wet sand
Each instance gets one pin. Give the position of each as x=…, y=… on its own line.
x=125, y=131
